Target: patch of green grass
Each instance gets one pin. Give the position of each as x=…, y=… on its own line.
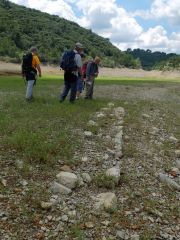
x=76, y=232
x=101, y=180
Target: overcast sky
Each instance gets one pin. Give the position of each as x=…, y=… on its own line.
x=147, y=24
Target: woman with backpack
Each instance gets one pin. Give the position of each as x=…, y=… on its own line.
x=30, y=67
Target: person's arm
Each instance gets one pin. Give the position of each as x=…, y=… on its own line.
x=37, y=64
x=78, y=61
x=39, y=69
x=97, y=71
x=88, y=70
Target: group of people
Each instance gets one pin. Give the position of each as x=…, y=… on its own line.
x=82, y=76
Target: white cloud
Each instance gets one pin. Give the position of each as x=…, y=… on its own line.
x=56, y=7
x=109, y=21
x=169, y=9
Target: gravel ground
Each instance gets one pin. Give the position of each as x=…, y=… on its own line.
x=146, y=208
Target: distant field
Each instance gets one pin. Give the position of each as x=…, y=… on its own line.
x=106, y=73
x=38, y=138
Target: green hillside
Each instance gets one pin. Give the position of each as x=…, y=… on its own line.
x=21, y=27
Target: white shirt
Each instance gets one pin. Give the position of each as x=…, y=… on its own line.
x=78, y=61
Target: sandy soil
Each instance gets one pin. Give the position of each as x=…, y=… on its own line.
x=10, y=68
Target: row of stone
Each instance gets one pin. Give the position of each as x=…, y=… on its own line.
x=67, y=181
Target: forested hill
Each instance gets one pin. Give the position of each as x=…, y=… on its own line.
x=152, y=60
x=21, y=27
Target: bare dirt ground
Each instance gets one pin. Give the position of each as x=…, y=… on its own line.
x=11, y=68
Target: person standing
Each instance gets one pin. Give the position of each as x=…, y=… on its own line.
x=30, y=68
x=71, y=72
x=80, y=80
x=91, y=73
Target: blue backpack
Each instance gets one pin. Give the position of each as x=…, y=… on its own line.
x=67, y=62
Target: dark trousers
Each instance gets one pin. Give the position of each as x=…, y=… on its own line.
x=70, y=83
x=89, y=89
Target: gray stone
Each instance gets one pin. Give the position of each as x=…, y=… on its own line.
x=92, y=123
x=118, y=154
x=177, y=153
x=119, y=112
x=121, y=234
x=173, y=139
x=88, y=134
x=146, y=116
x=106, y=201
x=110, y=104
x=114, y=172
x=64, y=218
x=178, y=164
x=46, y=205
x=58, y=188
x=118, y=138
x=169, y=182
x=135, y=237
x=100, y=115
x=67, y=179
x=86, y=177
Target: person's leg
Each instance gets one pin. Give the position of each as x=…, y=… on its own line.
x=67, y=87
x=29, y=89
x=65, y=91
x=88, y=90
x=91, y=91
x=73, y=88
x=77, y=90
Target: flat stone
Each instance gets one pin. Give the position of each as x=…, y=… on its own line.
x=65, y=168
x=46, y=205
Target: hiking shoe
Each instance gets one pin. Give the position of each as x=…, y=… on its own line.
x=30, y=99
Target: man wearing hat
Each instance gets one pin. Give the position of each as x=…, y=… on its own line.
x=31, y=74
x=71, y=77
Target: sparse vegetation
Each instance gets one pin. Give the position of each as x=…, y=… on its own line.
x=36, y=139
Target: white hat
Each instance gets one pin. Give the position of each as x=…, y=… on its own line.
x=79, y=45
